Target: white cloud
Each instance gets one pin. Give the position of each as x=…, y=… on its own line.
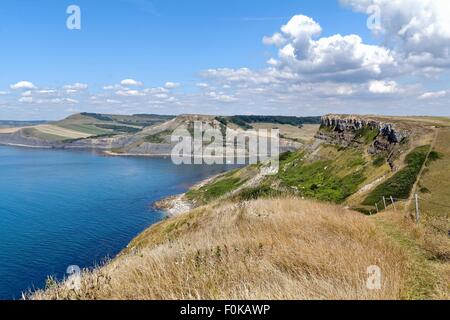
x=129, y=93
x=433, y=95
x=338, y=58
x=26, y=100
x=161, y=96
x=383, y=87
x=418, y=30
x=277, y=40
x=112, y=101
x=27, y=94
x=221, y=97
x=71, y=101
x=47, y=91
x=131, y=83
x=23, y=85
x=171, y=85
x=76, y=86
x=301, y=27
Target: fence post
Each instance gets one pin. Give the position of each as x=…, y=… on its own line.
x=393, y=203
x=376, y=205
x=384, y=202
x=417, y=208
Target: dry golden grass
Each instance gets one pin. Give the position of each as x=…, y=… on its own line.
x=304, y=134
x=264, y=249
x=429, y=251
x=9, y=130
x=435, y=182
x=62, y=132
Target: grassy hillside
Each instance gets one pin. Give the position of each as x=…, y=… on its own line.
x=265, y=249
x=256, y=237
x=90, y=125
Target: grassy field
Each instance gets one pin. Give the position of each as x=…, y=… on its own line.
x=401, y=184
x=63, y=132
x=253, y=237
x=429, y=254
x=221, y=186
x=324, y=180
x=435, y=182
x=264, y=249
x=53, y=133
x=9, y=130
x=290, y=132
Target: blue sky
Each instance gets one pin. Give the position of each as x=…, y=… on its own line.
x=155, y=42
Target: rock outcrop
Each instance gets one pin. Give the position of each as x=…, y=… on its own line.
x=342, y=124
x=380, y=138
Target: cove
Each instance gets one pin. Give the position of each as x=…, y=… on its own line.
x=60, y=208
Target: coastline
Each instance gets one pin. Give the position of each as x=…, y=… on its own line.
x=177, y=205
x=116, y=154
x=24, y=146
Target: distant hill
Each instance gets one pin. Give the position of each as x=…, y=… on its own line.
x=13, y=123
x=146, y=134
x=251, y=236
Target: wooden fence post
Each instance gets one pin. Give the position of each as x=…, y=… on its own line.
x=393, y=203
x=384, y=202
x=417, y=208
x=376, y=205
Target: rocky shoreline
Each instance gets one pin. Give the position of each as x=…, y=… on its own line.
x=175, y=205
x=179, y=204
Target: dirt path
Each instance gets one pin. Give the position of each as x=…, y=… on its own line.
x=419, y=176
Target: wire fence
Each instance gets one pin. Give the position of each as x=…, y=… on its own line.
x=388, y=201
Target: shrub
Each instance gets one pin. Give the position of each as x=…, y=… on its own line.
x=401, y=184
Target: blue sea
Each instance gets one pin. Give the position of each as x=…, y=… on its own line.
x=61, y=208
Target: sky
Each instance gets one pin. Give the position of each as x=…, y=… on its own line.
x=224, y=57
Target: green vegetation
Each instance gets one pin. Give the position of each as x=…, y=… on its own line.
x=401, y=184
x=319, y=180
x=245, y=121
x=259, y=192
x=379, y=161
x=159, y=137
x=119, y=128
x=327, y=180
x=142, y=120
x=434, y=155
x=367, y=134
x=215, y=190
x=97, y=116
x=85, y=128
x=33, y=132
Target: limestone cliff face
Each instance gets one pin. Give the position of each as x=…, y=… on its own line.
x=346, y=131
x=342, y=124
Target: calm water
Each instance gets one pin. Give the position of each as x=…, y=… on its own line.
x=62, y=208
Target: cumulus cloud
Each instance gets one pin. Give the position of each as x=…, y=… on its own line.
x=221, y=97
x=310, y=74
x=26, y=100
x=76, y=86
x=418, y=30
x=433, y=95
x=383, y=87
x=339, y=58
x=23, y=85
x=277, y=39
x=131, y=83
x=171, y=85
x=129, y=93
